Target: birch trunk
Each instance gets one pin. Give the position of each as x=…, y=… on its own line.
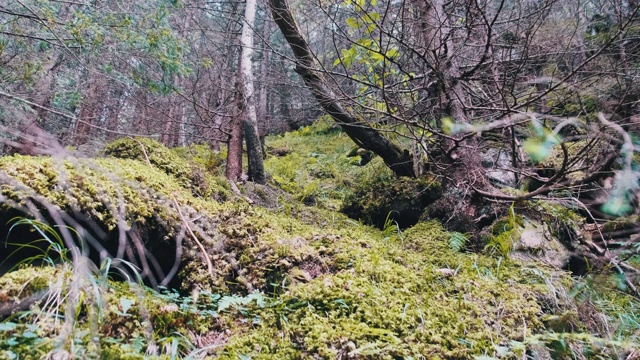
x=254, y=149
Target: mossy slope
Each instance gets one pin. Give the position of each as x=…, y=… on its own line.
x=334, y=288
x=401, y=298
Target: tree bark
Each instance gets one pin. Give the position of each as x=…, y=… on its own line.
x=114, y=107
x=88, y=111
x=264, y=122
x=167, y=127
x=234, y=144
x=398, y=160
x=254, y=149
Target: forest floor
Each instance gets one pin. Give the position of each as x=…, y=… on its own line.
x=276, y=273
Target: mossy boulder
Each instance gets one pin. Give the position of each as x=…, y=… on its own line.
x=123, y=206
x=383, y=198
x=23, y=287
x=149, y=150
x=191, y=175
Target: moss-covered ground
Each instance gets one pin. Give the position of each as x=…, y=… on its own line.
x=296, y=280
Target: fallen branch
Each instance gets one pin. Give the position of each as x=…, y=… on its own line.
x=607, y=255
x=195, y=238
x=236, y=191
x=144, y=151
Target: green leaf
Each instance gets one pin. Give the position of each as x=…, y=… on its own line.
x=457, y=241
x=8, y=326
x=353, y=22
x=126, y=304
x=348, y=57
x=372, y=17
x=392, y=53
x=449, y=127
x=12, y=342
x=536, y=149
x=29, y=335
x=540, y=149
x=365, y=42
x=376, y=56
x=617, y=206
x=228, y=301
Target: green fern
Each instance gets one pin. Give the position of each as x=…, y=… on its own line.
x=391, y=230
x=458, y=241
x=504, y=233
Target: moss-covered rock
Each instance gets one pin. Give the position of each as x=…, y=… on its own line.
x=191, y=175
x=384, y=198
x=22, y=288
x=119, y=202
x=151, y=151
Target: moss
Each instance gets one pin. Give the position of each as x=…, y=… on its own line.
x=503, y=233
x=130, y=319
x=25, y=282
x=392, y=302
x=629, y=222
x=564, y=222
x=553, y=163
x=313, y=160
x=157, y=154
x=336, y=288
x=564, y=102
x=246, y=245
x=191, y=175
x=383, y=197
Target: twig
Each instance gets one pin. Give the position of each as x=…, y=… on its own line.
x=616, y=263
x=143, y=150
x=195, y=238
x=67, y=116
x=607, y=255
x=236, y=191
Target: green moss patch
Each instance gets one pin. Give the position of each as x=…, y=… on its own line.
x=384, y=198
x=407, y=298
x=191, y=175
x=353, y=293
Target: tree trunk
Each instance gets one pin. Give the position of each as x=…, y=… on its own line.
x=436, y=34
x=116, y=102
x=263, y=114
x=234, y=146
x=254, y=149
x=398, y=160
x=168, y=126
x=88, y=112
